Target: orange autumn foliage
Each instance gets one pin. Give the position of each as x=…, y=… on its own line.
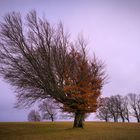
x=83, y=82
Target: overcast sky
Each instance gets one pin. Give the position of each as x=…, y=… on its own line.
x=112, y=28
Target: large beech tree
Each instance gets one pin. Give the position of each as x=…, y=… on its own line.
x=41, y=62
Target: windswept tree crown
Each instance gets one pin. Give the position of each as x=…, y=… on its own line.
x=41, y=62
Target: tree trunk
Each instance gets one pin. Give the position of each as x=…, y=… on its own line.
x=106, y=119
x=127, y=117
x=137, y=116
x=128, y=120
x=115, y=119
x=138, y=120
x=123, y=119
x=78, y=120
x=52, y=119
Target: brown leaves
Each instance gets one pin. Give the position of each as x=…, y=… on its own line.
x=83, y=81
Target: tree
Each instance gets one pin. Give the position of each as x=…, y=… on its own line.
x=49, y=109
x=119, y=106
x=134, y=101
x=103, y=112
x=34, y=116
x=112, y=106
x=41, y=62
x=126, y=108
x=122, y=105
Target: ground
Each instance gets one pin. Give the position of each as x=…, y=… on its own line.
x=64, y=131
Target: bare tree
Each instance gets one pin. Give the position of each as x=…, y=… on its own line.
x=112, y=106
x=34, y=116
x=41, y=62
x=119, y=103
x=134, y=101
x=126, y=111
x=49, y=109
x=103, y=112
x=123, y=108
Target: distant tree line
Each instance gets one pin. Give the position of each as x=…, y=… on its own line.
x=114, y=108
x=119, y=108
x=48, y=110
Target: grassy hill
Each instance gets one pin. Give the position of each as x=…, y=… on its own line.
x=64, y=131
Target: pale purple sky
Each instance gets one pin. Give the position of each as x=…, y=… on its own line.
x=112, y=28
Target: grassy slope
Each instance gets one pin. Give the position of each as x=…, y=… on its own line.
x=64, y=131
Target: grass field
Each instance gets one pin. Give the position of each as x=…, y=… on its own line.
x=64, y=131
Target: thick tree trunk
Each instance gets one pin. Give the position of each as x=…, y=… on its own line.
x=78, y=120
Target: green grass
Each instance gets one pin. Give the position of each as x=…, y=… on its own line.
x=64, y=131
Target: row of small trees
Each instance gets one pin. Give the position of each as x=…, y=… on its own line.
x=116, y=108
x=48, y=110
x=119, y=107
